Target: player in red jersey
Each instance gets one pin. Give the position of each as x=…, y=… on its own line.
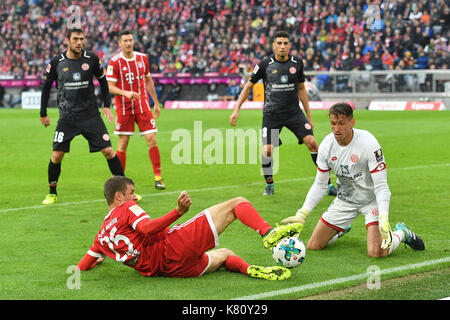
x=128, y=235
x=129, y=79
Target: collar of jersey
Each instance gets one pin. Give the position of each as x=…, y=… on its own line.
x=126, y=59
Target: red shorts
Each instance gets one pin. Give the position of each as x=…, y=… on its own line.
x=125, y=123
x=185, y=246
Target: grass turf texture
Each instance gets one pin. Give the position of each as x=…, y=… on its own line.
x=39, y=243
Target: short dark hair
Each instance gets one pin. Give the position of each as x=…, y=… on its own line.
x=281, y=34
x=114, y=184
x=73, y=30
x=124, y=33
x=341, y=108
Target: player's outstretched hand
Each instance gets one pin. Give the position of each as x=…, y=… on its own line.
x=233, y=118
x=156, y=110
x=132, y=95
x=108, y=114
x=300, y=217
x=184, y=203
x=45, y=121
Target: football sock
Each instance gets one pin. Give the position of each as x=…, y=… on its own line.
x=155, y=159
x=123, y=159
x=248, y=215
x=398, y=237
x=236, y=264
x=54, y=170
x=115, y=166
x=314, y=159
x=267, y=168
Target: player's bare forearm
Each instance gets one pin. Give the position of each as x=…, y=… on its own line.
x=151, y=90
x=303, y=97
x=241, y=99
x=115, y=90
x=244, y=95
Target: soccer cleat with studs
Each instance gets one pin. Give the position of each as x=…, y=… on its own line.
x=411, y=239
x=268, y=273
x=331, y=190
x=159, y=185
x=51, y=198
x=274, y=235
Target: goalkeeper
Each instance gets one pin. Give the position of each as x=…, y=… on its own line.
x=357, y=160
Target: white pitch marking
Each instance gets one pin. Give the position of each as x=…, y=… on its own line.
x=315, y=285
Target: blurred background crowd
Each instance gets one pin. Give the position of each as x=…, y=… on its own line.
x=229, y=36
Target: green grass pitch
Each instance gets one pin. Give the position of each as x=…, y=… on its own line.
x=40, y=244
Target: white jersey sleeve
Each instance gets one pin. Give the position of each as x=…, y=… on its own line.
x=377, y=167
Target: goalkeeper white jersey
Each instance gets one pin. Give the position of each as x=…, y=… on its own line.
x=352, y=164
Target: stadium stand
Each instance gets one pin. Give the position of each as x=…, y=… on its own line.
x=229, y=37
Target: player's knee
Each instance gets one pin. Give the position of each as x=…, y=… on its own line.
x=311, y=143
x=239, y=200
x=376, y=252
x=108, y=152
x=314, y=245
x=227, y=252
x=151, y=140
x=57, y=157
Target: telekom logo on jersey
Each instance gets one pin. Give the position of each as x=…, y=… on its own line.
x=218, y=146
x=129, y=77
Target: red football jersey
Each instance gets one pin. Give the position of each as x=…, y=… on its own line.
x=119, y=239
x=129, y=75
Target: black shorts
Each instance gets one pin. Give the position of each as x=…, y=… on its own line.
x=93, y=129
x=272, y=126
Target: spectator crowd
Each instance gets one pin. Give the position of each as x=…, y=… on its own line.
x=231, y=36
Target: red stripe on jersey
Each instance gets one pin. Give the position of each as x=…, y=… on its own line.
x=380, y=167
x=322, y=170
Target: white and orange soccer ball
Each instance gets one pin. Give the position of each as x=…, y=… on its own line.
x=289, y=252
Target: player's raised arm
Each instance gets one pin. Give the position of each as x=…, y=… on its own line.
x=154, y=226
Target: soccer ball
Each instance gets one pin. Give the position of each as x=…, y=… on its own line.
x=289, y=252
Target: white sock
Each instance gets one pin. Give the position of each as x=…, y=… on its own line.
x=332, y=240
x=398, y=236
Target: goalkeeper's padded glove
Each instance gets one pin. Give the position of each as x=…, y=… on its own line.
x=300, y=217
x=385, y=231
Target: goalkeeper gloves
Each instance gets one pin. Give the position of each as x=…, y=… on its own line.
x=300, y=217
x=385, y=231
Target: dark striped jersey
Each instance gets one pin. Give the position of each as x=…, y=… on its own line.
x=281, y=79
x=74, y=83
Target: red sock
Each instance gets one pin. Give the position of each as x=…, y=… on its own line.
x=123, y=158
x=248, y=215
x=236, y=264
x=155, y=158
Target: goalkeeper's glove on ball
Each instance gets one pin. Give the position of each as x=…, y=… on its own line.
x=300, y=217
